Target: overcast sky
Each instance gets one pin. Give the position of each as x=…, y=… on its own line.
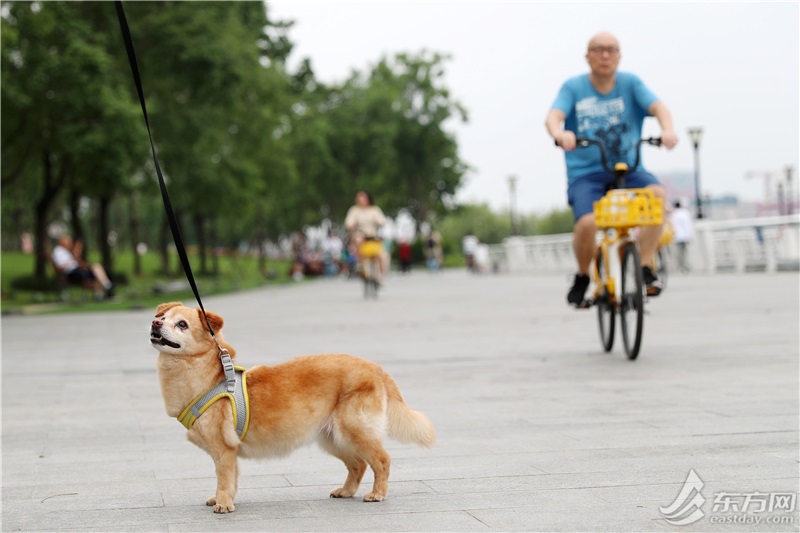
x=730, y=68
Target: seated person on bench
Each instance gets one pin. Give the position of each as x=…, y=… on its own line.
x=67, y=259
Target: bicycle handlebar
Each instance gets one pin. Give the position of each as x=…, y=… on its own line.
x=583, y=142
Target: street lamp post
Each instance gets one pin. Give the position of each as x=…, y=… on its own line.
x=789, y=190
x=696, y=134
x=512, y=188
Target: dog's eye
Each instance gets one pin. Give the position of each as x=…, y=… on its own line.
x=182, y=324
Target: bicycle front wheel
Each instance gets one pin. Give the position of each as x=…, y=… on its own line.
x=370, y=279
x=605, y=306
x=631, y=307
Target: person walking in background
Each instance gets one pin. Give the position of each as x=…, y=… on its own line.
x=68, y=259
x=433, y=250
x=482, y=258
x=332, y=248
x=404, y=255
x=609, y=106
x=681, y=220
x=469, y=243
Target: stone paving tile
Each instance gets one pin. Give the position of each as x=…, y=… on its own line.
x=411, y=521
x=538, y=430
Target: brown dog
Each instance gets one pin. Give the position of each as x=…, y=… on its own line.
x=345, y=403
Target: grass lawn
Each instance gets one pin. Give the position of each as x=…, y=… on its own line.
x=131, y=292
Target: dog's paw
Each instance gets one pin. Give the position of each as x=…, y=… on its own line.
x=341, y=492
x=222, y=508
x=211, y=501
x=374, y=497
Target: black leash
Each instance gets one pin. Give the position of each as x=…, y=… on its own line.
x=173, y=222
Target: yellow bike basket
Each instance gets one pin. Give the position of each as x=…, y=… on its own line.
x=370, y=249
x=626, y=208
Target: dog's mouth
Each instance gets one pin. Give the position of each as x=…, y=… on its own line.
x=157, y=338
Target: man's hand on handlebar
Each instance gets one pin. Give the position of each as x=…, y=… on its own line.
x=566, y=140
x=669, y=139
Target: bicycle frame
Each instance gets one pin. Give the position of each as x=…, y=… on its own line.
x=617, y=258
x=614, y=238
x=611, y=245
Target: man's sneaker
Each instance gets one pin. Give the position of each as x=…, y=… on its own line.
x=577, y=294
x=651, y=281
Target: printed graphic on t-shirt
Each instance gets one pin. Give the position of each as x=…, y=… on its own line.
x=603, y=120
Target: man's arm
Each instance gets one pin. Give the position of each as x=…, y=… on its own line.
x=555, y=127
x=668, y=136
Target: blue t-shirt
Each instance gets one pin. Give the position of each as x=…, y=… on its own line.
x=615, y=119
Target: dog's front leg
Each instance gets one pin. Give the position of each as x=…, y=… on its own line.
x=227, y=469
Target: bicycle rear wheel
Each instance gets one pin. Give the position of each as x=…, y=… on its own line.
x=631, y=307
x=605, y=307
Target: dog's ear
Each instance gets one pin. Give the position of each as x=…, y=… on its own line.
x=214, y=320
x=163, y=308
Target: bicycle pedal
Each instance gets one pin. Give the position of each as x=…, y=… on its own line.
x=586, y=304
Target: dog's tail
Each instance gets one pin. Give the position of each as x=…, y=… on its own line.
x=405, y=424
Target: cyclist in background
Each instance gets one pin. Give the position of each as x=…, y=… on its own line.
x=363, y=222
x=608, y=106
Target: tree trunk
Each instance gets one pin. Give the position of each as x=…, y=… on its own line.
x=133, y=221
x=17, y=227
x=50, y=188
x=102, y=234
x=199, y=228
x=40, y=238
x=78, y=233
x=212, y=237
x=260, y=242
x=163, y=245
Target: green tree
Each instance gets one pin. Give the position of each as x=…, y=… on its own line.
x=64, y=107
x=429, y=167
x=554, y=222
x=214, y=80
x=383, y=131
x=478, y=219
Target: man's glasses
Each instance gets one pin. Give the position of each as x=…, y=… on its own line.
x=600, y=50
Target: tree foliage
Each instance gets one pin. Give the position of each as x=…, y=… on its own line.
x=250, y=149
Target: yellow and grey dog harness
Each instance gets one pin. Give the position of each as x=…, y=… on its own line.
x=240, y=403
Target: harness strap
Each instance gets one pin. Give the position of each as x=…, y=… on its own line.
x=240, y=403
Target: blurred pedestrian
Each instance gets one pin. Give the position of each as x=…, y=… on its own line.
x=681, y=220
x=433, y=250
x=482, y=258
x=332, y=248
x=468, y=245
x=404, y=255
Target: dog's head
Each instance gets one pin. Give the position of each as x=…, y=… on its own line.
x=182, y=330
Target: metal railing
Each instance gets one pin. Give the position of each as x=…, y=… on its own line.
x=764, y=244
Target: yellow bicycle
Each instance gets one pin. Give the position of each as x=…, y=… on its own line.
x=369, y=254
x=617, y=256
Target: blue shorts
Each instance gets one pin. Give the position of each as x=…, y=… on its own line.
x=584, y=191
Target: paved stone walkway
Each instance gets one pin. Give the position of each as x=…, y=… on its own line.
x=538, y=429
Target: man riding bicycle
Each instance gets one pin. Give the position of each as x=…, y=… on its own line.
x=364, y=221
x=609, y=106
